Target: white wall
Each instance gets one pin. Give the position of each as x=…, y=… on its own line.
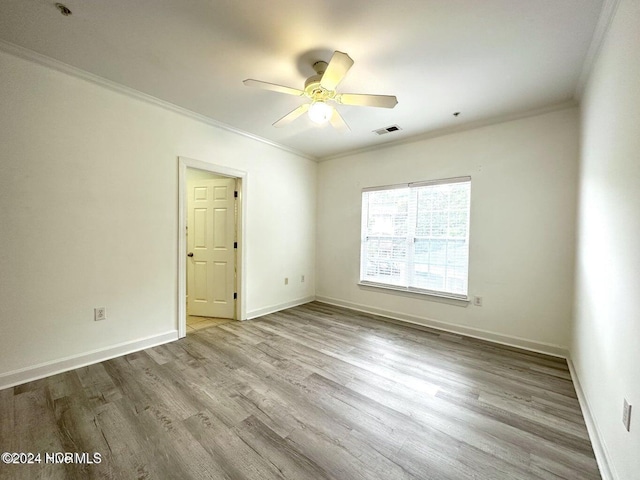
x=523, y=196
x=89, y=215
x=606, y=333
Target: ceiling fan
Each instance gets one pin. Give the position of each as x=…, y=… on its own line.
x=321, y=89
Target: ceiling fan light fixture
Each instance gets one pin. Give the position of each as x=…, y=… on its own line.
x=320, y=112
x=320, y=89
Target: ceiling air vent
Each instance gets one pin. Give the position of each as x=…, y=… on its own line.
x=384, y=131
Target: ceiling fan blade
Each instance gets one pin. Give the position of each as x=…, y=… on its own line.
x=273, y=87
x=338, y=67
x=364, y=100
x=291, y=116
x=338, y=122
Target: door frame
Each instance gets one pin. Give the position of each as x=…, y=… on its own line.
x=241, y=277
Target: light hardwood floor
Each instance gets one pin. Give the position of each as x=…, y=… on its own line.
x=198, y=323
x=313, y=392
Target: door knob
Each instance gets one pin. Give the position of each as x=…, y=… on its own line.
x=190, y=254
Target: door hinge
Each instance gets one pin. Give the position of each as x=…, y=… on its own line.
x=235, y=194
x=235, y=244
x=235, y=296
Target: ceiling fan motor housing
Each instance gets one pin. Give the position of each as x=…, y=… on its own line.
x=312, y=87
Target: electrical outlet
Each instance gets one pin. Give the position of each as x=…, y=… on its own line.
x=477, y=301
x=99, y=313
x=302, y=278
x=626, y=414
x=286, y=281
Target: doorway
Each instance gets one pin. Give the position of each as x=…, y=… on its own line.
x=211, y=217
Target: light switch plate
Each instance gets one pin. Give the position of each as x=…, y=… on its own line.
x=626, y=415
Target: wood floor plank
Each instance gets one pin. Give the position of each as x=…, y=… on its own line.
x=98, y=385
x=315, y=392
x=7, y=420
x=130, y=449
x=35, y=431
x=272, y=447
x=343, y=459
x=233, y=457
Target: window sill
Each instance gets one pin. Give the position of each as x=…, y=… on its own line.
x=450, y=298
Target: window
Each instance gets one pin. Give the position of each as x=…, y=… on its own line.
x=415, y=237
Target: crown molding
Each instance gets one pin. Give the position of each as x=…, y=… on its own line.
x=606, y=16
x=27, y=54
x=608, y=12
x=457, y=129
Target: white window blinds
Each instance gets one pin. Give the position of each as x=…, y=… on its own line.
x=416, y=236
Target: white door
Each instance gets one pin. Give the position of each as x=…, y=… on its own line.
x=210, y=246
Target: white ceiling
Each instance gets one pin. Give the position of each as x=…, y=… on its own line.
x=486, y=59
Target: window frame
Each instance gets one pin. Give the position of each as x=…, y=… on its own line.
x=410, y=237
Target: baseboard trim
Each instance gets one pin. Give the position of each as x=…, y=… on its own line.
x=281, y=306
x=46, y=369
x=597, y=442
x=523, y=343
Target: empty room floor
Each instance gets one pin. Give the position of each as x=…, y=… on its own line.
x=312, y=392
